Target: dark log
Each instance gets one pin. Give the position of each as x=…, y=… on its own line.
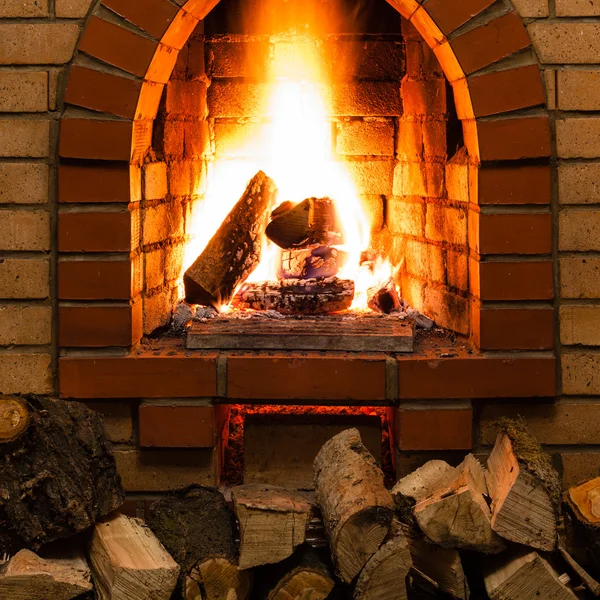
x=384, y=298
x=197, y=528
x=297, y=296
x=312, y=221
x=235, y=249
x=356, y=507
x=57, y=477
x=578, y=571
x=311, y=263
x=303, y=576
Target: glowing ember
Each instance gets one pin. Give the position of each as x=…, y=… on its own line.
x=295, y=150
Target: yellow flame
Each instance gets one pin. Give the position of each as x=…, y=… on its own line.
x=296, y=150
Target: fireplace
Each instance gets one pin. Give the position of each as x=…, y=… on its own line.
x=162, y=132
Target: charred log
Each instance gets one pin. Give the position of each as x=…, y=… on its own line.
x=384, y=298
x=311, y=263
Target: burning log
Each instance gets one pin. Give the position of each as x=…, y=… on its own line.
x=311, y=263
x=297, y=296
x=525, y=489
x=312, y=221
x=196, y=527
x=384, y=298
x=272, y=523
x=356, y=507
x=26, y=576
x=303, y=575
x=57, y=473
x=234, y=251
x=129, y=563
x=525, y=575
x=456, y=515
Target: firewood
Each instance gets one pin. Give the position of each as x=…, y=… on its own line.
x=14, y=418
x=26, y=576
x=235, y=249
x=523, y=575
x=196, y=527
x=384, y=298
x=583, y=507
x=457, y=515
x=57, y=476
x=312, y=221
x=272, y=522
x=129, y=563
x=356, y=507
x=303, y=576
x=384, y=575
x=297, y=296
x=524, y=487
x=442, y=566
x=586, y=579
x=311, y=263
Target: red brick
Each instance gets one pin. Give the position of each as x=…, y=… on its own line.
x=117, y=46
x=515, y=185
x=99, y=326
x=476, y=377
x=95, y=138
x=510, y=139
x=103, y=92
x=514, y=328
x=138, y=376
x=531, y=280
x=450, y=16
x=175, y=426
x=515, y=234
x=95, y=280
x=98, y=183
x=153, y=16
x=306, y=376
x=503, y=91
x=489, y=43
x=430, y=427
x=94, y=232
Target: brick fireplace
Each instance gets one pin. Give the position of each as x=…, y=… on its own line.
x=443, y=125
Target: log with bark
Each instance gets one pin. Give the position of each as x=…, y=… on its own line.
x=57, y=471
x=235, y=249
x=312, y=221
x=311, y=263
x=384, y=298
x=129, y=563
x=523, y=574
x=356, y=507
x=27, y=576
x=524, y=487
x=196, y=527
x=272, y=522
x=297, y=296
x=456, y=515
x=303, y=576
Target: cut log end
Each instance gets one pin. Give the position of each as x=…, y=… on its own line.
x=217, y=579
x=14, y=418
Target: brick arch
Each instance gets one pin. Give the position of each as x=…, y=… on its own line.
x=101, y=152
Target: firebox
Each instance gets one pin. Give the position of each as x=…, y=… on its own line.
x=314, y=195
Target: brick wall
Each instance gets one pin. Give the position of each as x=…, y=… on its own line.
x=37, y=43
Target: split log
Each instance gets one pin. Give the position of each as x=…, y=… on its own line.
x=129, y=563
x=311, y=263
x=524, y=487
x=523, y=575
x=297, y=296
x=312, y=221
x=302, y=576
x=457, y=515
x=384, y=298
x=57, y=472
x=586, y=579
x=356, y=507
x=235, y=249
x=272, y=522
x=197, y=528
x=26, y=576
x=384, y=575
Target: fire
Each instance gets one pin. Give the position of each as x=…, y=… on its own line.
x=295, y=148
